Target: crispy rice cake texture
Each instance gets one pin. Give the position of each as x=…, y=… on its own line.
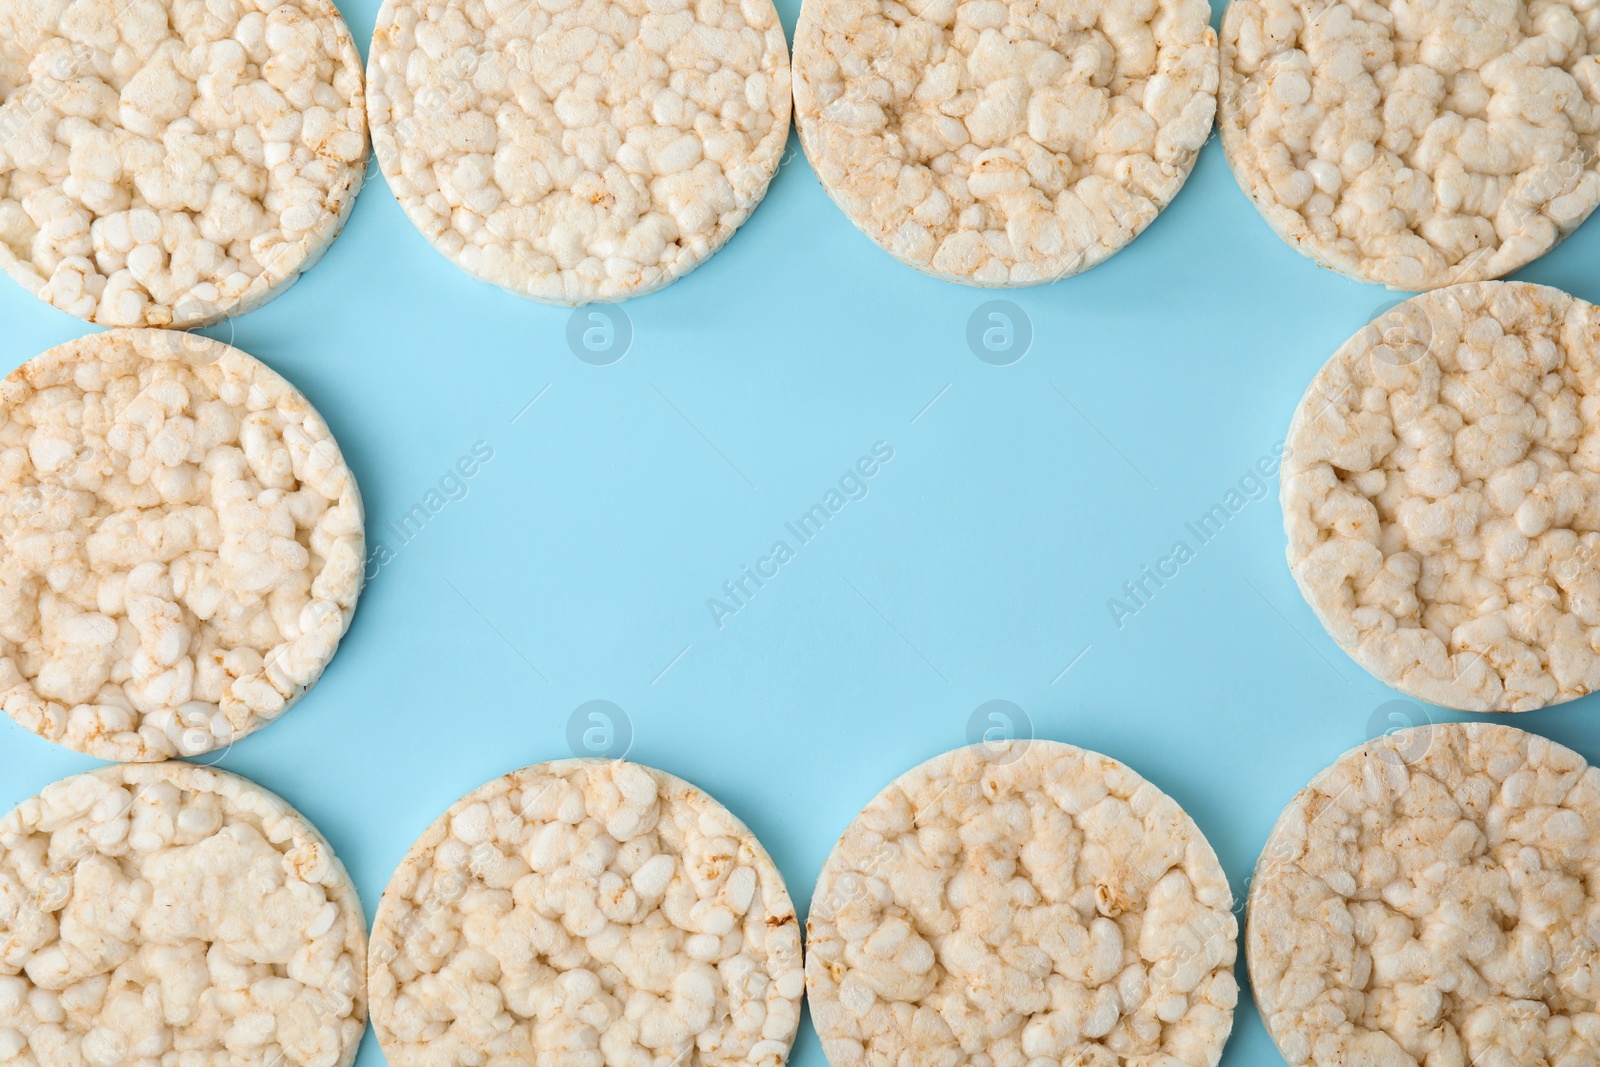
x=573, y=151
x=169, y=913
x=1004, y=142
x=1441, y=494
x=183, y=545
x=586, y=912
x=1019, y=904
x=1415, y=143
x=174, y=162
x=1433, y=900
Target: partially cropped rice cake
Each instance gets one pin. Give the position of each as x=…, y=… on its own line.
x=1441, y=493
x=174, y=162
x=1415, y=143
x=183, y=545
x=1434, y=898
x=1004, y=142
x=572, y=151
x=175, y=914
x=586, y=912
x=1021, y=904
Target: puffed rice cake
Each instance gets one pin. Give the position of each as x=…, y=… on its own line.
x=586, y=912
x=1434, y=898
x=174, y=162
x=574, y=151
x=183, y=545
x=1022, y=903
x=1415, y=143
x=1000, y=142
x=170, y=913
x=1441, y=495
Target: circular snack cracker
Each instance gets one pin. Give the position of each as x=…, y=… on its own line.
x=1001, y=142
x=1441, y=494
x=586, y=912
x=1415, y=143
x=183, y=545
x=1434, y=898
x=175, y=914
x=572, y=151
x=1022, y=903
x=174, y=162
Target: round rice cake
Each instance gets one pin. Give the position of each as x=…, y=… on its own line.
x=572, y=151
x=1000, y=142
x=1441, y=494
x=1415, y=143
x=183, y=545
x=174, y=162
x=1022, y=903
x=590, y=912
x=1434, y=897
x=178, y=914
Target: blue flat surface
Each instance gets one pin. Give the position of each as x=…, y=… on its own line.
x=577, y=564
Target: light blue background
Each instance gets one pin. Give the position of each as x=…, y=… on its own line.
x=579, y=564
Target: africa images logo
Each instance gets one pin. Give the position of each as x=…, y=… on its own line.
x=1253, y=485
x=999, y=333
x=851, y=486
x=599, y=334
